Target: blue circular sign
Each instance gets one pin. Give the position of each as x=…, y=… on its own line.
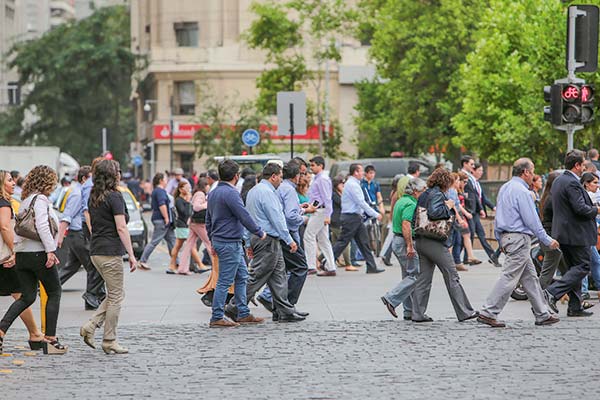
x=138, y=161
x=250, y=137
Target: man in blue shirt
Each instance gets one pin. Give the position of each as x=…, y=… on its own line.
x=372, y=189
x=295, y=262
x=226, y=219
x=77, y=244
x=353, y=208
x=268, y=265
x=161, y=220
x=516, y=222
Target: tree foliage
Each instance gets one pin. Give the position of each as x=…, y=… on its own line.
x=284, y=31
x=418, y=47
x=222, y=124
x=77, y=80
x=520, y=48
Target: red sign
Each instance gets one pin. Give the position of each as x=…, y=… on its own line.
x=187, y=131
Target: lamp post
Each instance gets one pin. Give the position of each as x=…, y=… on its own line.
x=148, y=109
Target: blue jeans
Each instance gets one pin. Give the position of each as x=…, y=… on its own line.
x=457, y=244
x=595, y=269
x=232, y=269
x=401, y=293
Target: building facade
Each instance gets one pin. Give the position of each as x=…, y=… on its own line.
x=193, y=47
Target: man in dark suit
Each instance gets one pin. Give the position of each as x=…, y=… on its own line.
x=574, y=226
x=473, y=205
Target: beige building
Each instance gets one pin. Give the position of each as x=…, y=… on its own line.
x=192, y=45
x=10, y=28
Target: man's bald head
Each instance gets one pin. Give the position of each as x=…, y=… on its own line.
x=521, y=166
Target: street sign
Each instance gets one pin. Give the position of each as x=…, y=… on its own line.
x=137, y=160
x=291, y=106
x=250, y=137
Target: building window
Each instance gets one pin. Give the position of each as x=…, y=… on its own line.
x=14, y=94
x=9, y=12
x=185, y=98
x=186, y=34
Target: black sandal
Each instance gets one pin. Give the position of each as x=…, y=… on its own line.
x=1, y=345
x=36, y=345
x=54, y=347
x=586, y=304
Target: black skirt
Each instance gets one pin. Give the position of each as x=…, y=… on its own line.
x=9, y=282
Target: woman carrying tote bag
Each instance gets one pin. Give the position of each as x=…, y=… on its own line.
x=35, y=257
x=434, y=251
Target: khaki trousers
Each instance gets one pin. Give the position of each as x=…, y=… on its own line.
x=111, y=269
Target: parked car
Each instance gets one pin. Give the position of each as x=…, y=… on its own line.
x=387, y=169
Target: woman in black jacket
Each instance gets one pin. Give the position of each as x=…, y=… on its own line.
x=183, y=206
x=434, y=252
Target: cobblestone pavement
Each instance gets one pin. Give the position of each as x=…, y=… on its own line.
x=317, y=360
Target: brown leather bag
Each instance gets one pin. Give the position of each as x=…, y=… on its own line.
x=437, y=230
x=25, y=223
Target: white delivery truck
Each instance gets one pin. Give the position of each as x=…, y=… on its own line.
x=24, y=158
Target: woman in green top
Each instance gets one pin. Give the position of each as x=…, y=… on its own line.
x=404, y=249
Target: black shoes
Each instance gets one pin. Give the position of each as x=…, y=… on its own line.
x=266, y=304
x=230, y=312
x=495, y=261
x=426, y=319
x=302, y=313
x=291, y=318
x=472, y=316
x=386, y=261
x=585, y=296
x=374, y=270
x=579, y=313
x=551, y=301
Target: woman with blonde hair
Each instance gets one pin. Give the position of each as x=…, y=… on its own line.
x=9, y=281
x=36, y=259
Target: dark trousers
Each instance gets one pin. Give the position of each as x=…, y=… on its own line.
x=31, y=268
x=457, y=244
x=353, y=228
x=79, y=255
x=476, y=228
x=578, y=259
x=297, y=268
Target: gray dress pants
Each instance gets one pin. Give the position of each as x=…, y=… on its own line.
x=431, y=253
x=268, y=267
x=518, y=267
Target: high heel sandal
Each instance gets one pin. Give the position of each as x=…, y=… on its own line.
x=36, y=345
x=54, y=347
x=1, y=345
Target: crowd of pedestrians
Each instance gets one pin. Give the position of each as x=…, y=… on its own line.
x=264, y=233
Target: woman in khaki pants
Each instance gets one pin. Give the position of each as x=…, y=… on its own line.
x=110, y=240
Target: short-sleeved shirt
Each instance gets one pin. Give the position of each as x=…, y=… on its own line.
x=105, y=238
x=371, y=188
x=403, y=211
x=159, y=198
x=6, y=203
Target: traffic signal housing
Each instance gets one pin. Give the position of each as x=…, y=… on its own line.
x=570, y=103
x=148, y=152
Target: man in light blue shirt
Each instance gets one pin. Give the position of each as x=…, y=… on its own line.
x=268, y=266
x=516, y=223
x=72, y=219
x=353, y=208
x=295, y=262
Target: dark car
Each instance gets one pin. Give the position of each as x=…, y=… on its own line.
x=387, y=169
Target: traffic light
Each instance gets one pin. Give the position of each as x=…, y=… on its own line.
x=148, y=152
x=553, y=112
x=578, y=103
x=586, y=37
x=570, y=103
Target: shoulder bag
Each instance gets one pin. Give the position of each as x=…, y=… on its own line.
x=437, y=230
x=25, y=223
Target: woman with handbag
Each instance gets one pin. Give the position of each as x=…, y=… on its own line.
x=434, y=220
x=110, y=240
x=9, y=281
x=36, y=227
x=197, y=230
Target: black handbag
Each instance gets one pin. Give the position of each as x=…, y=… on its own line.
x=199, y=217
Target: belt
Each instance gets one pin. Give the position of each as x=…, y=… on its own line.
x=398, y=234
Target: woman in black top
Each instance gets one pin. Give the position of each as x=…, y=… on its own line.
x=553, y=259
x=183, y=195
x=110, y=240
x=435, y=252
x=9, y=281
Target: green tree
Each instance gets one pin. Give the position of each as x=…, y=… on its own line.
x=283, y=31
x=418, y=47
x=77, y=80
x=222, y=124
x=520, y=48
